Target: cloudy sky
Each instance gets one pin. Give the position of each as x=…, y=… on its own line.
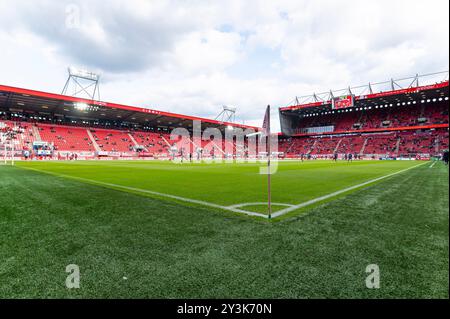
x=192, y=57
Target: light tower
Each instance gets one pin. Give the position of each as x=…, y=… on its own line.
x=228, y=114
x=82, y=83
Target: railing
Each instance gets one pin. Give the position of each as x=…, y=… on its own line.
x=378, y=87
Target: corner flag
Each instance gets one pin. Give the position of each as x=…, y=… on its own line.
x=266, y=134
x=266, y=123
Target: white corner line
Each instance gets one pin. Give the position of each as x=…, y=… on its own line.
x=233, y=208
x=139, y=190
x=318, y=199
x=259, y=203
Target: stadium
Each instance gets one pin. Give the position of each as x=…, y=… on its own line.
x=106, y=200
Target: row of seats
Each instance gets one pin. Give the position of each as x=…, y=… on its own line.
x=396, y=116
x=81, y=139
x=113, y=141
x=395, y=143
x=24, y=134
x=66, y=138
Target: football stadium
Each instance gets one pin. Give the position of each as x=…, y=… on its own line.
x=109, y=185
x=349, y=199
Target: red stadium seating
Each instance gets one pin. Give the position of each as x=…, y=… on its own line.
x=66, y=138
x=112, y=141
x=156, y=143
x=392, y=137
x=406, y=143
x=380, y=117
x=25, y=136
x=372, y=121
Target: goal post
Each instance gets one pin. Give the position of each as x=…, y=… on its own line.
x=7, y=148
x=7, y=154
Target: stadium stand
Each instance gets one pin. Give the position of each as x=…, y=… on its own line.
x=65, y=138
x=411, y=122
x=60, y=126
x=398, y=123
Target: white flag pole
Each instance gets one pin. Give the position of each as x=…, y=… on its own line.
x=269, y=194
x=13, y=150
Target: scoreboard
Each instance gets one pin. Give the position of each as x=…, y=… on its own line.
x=342, y=102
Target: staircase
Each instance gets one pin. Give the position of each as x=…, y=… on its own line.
x=219, y=148
x=165, y=141
x=135, y=143
x=290, y=146
x=363, y=148
x=36, y=134
x=337, y=146
x=94, y=142
x=397, y=146
x=312, y=147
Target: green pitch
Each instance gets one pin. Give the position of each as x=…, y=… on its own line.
x=227, y=185
x=156, y=230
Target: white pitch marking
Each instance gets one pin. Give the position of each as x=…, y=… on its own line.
x=184, y=199
x=431, y=166
x=318, y=199
x=229, y=208
x=257, y=204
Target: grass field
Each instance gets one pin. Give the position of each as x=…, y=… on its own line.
x=224, y=184
x=183, y=241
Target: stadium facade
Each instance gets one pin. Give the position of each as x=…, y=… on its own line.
x=48, y=125
x=398, y=122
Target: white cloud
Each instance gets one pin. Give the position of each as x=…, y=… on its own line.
x=205, y=51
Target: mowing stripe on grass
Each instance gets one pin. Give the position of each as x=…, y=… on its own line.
x=318, y=199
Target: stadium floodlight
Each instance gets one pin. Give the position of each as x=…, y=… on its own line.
x=81, y=106
x=82, y=83
x=228, y=114
x=229, y=108
x=83, y=73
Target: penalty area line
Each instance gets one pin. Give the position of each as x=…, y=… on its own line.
x=145, y=191
x=319, y=199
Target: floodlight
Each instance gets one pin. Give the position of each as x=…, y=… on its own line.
x=81, y=106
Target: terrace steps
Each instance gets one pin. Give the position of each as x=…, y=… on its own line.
x=135, y=143
x=312, y=147
x=94, y=142
x=337, y=145
x=165, y=141
x=36, y=134
x=397, y=146
x=363, y=148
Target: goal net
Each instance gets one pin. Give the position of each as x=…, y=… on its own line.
x=7, y=146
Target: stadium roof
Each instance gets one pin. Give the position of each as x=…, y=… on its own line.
x=318, y=103
x=15, y=99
